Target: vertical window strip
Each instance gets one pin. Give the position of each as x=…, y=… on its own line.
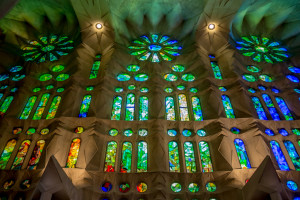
x=5, y=156
x=95, y=68
x=267, y=99
x=216, y=70
x=28, y=107
x=183, y=108
x=19, y=159
x=189, y=154
x=126, y=157
x=36, y=154
x=41, y=107
x=116, y=109
x=53, y=107
x=284, y=108
x=110, y=159
x=174, y=157
x=143, y=112
x=279, y=156
x=227, y=107
x=259, y=108
x=242, y=154
x=73, y=153
x=1, y=95
x=5, y=105
x=292, y=153
x=142, y=159
x=130, y=104
x=85, y=106
x=170, y=109
x=205, y=157
x=197, y=109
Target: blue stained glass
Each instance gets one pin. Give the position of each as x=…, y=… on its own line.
x=16, y=68
x=283, y=132
x=216, y=70
x=293, y=78
x=154, y=47
x=275, y=90
x=269, y=132
x=172, y=132
x=85, y=106
x=211, y=56
x=261, y=87
x=297, y=90
x=251, y=90
x=197, y=109
x=294, y=69
x=271, y=107
x=186, y=133
x=3, y=77
x=292, y=185
x=279, y=156
x=242, y=154
x=292, y=153
x=259, y=109
x=201, y=132
x=228, y=107
x=284, y=109
x=222, y=89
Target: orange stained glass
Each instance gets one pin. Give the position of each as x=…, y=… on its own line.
x=73, y=153
x=18, y=162
x=36, y=154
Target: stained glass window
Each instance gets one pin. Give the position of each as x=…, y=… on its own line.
x=170, y=109
x=126, y=157
x=174, y=157
x=41, y=107
x=183, y=108
x=190, y=162
x=116, y=109
x=284, y=109
x=279, y=156
x=6, y=103
x=28, y=107
x=176, y=187
x=283, y=132
x=142, y=158
x=19, y=159
x=292, y=185
x=130, y=107
x=193, y=187
x=53, y=107
x=85, y=106
x=216, y=70
x=143, y=112
x=1, y=95
x=197, y=109
x=205, y=157
x=9, y=148
x=259, y=109
x=73, y=153
x=228, y=107
x=242, y=153
x=292, y=153
x=110, y=159
x=271, y=107
x=95, y=69
x=36, y=154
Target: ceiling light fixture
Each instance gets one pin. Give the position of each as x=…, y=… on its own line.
x=211, y=26
x=98, y=25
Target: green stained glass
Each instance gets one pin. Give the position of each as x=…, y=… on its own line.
x=143, y=111
x=168, y=90
x=19, y=159
x=116, y=109
x=188, y=77
x=216, y=70
x=144, y=90
x=197, y=109
x=123, y=77
x=36, y=89
x=113, y=132
x=30, y=131
x=296, y=131
x=180, y=87
x=86, y=102
x=205, y=157
x=172, y=132
x=183, y=109
x=227, y=107
x=118, y=90
x=126, y=157
x=57, y=68
x=251, y=90
x=6, y=103
x=62, y=77
x=143, y=132
x=252, y=68
x=178, y=68
x=211, y=187
x=170, y=77
x=201, y=132
x=17, y=77
x=193, y=187
x=131, y=87
x=133, y=68
x=265, y=78
x=141, y=77
x=249, y=77
x=12, y=90
x=45, y=77
x=15, y=69
x=142, y=158
x=242, y=154
x=49, y=87
x=28, y=107
x=174, y=157
x=90, y=88
x=73, y=153
x=41, y=107
x=170, y=109
x=194, y=90
x=44, y=131
x=110, y=159
x=3, y=77
x=130, y=105
x=189, y=155
x=128, y=132
x=3, y=87
x=9, y=148
x=175, y=187
x=53, y=107
x=95, y=69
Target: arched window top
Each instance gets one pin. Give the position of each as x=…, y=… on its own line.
x=142, y=160
x=73, y=153
x=6, y=103
x=174, y=157
x=292, y=153
x=19, y=159
x=110, y=159
x=242, y=153
x=279, y=156
x=227, y=106
x=205, y=157
x=28, y=107
x=116, y=108
x=259, y=108
x=197, y=109
x=190, y=162
x=170, y=108
x=85, y=106
x=6, y=153
x=126, y=157
x=130, y=106
x=284, y=108
x=36, y=154
x=53, y=107
x=183, y=107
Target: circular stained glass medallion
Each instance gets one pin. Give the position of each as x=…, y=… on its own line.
x=143, y=132
x=17, y=130
x=118, y=89
x=294, y=69
x=178, y=68
x=293, y=78
x=275, y=90
x=13, y=89
x=141, y=187
x=265, y=78
x=131, y=87
x=17, y=77
x=292, y=185
x=57, y=68
x=106, y=187
x=124, y=187
x=296, y=131
x=211, y=187
x=60, y=90
x=45, y=77
x=25, y=184
x=193, y=90
x=133, y=68
x=144, y=90
x=222, y=89
x=170, y=77
x=123, y=77
x=188, y=77
x=30, y=131
x=283, y=132
x=62, y=77
x=235, y=130
x=193, y=187
x=175, y=187
x=141, y=77
x=79, y=129
x=113, y=132
x=49, y=87
x=3, y=87
x=186, y=133
x=44, y=131
x=90, y=88
x=269, y=132
x=180, y=87
x=251, y=90
x=128, y=132
x=8, y=184
x=16, y=68
x=201, y=132
x=168, y=90
x=36, y=89
x=252, y=68
x=172, y=132
x=249, y=78
x=261, y=87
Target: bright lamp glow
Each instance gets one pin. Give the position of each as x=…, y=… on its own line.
x=211, y=26
x=98, y=25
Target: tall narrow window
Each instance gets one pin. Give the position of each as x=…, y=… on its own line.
x=110, y=159
x=53, y=107
x=216, y=70
x=95, y=68
x=142, y=159
x=85, y=106
x=271, y=107
x=19, y=159
x=9, y=148
x=189, y=155
x=197, y=109
x=205, y=157
x=174, y=157
x=183, y=108
x=130, y=107
x=279, y=156
x=259, y=109
x=36, y=154
x=1, y=95
x=170, y=109
x=116, y=109
x=242, y=154
x=73, y=153
x=284, y=109
x=41, y=107
x=28, y=107
x=293, y=154
x=126, y=157
x=227, y=107
x=5, y=105
x=143, y=112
